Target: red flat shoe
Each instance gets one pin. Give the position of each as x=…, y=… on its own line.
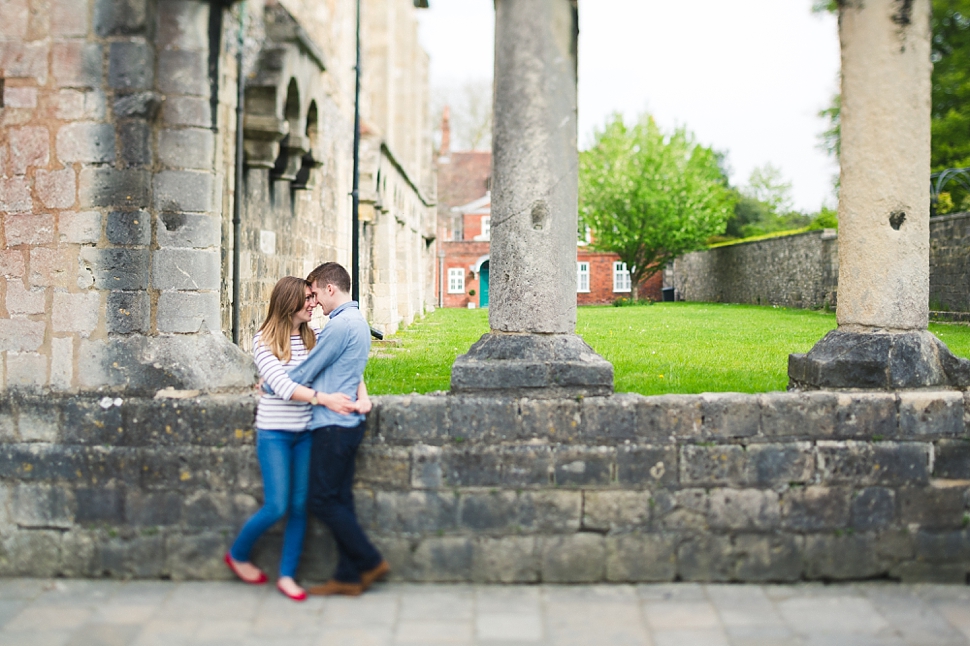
x=301, y=596
x=260, y=580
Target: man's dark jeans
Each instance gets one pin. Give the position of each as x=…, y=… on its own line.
x=332, y=498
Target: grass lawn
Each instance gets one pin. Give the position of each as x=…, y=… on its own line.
x=655, y=349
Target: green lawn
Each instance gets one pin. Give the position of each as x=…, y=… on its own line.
x=656, y=349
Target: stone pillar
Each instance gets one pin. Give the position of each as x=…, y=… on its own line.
x=883, y=294
x=532, y=348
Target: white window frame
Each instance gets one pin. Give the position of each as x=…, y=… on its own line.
x=582, y=277
x=456, y=280
x=486, y=227
x=621, y=278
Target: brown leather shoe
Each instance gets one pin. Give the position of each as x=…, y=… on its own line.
x=375, y=574
x=332, y=587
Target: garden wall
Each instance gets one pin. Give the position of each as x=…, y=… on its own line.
x=724, y=487
x=803, y=270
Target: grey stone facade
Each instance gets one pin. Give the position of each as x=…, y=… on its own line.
x=802, y=270
x=717, y=487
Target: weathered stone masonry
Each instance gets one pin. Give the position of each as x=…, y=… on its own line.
x=722, y=487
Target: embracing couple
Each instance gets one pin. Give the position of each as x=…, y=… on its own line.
x=309, y=424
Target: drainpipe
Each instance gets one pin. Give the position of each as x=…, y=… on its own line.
x=355, y=210
x=441, y=279
x=240, y=158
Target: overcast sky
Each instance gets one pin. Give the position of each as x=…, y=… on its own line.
x=746, y=77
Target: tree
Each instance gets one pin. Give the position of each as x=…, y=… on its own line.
x=470, y=105
x=650, y=197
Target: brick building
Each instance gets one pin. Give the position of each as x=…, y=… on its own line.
x=464, y=223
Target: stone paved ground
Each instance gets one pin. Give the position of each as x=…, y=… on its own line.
x=36, y=612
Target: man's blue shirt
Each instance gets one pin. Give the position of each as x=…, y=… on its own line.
x=336, y=364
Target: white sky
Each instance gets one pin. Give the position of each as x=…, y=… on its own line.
x=746, y=77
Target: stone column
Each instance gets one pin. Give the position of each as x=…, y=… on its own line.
x=532, y=348
x=883, y=294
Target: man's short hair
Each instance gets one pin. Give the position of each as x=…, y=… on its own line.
x=330, y=273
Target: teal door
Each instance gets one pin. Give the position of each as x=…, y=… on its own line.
x=483, y=283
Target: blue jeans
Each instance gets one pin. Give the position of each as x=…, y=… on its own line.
x=284, y=459
x=332, y=499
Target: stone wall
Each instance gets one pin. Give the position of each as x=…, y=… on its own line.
x=803, y=270
x=723, y=487
x=793, y=271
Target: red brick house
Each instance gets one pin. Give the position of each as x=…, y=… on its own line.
x=464, y=217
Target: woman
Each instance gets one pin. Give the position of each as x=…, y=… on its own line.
x=282, y=441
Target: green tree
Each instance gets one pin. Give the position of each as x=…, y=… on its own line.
x=649, y=196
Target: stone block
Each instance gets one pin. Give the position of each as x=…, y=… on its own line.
x=744, y=509
x=932, y=508
x=550, y=512
x=29, y=229
x=184, y=25
x=129, y=228
x=34, y=553
x=79, y=228
x=443, y=559
x=140, y=105
x=210, y=510
x=640, y=558
x=938, y=414
x=916, y=572
x=646, y=466
x=471, y=466
x=711, y=465
x=15, y=195
x=100, y=505
x=140, y=557
x=153, y=509
x=12, y=264
x=90, y=143
x=706, y=557
x=660, y=418
x=526, y=466
x=114, y=269
x=557, y=420
x=16, y=16
x=53, y=267
x=56, y=189
x=951, y=460
x=76, y=64
x=135, y=144
x=507, y=559
x=767, y=558
x=616, y=511
x=29, y=148
x=842, y=557
x=186, y=269
x=188, y=230
x=866, y=415
x=785, y=414
x=943, y=546
x=730, y=415
x=131, y=66
x=426, y=468
x=109, y=187
x=87, y=422
x=574, y=558
x=76, y=312
x=588, y=466
x=771, y=465
x=186, y=148
x=873, y=508
x=417, y=418
x=183, y=72
x=187, y=111
x=478, y=419
x=62, y=363
x=815, y=508
x=26, y=60
x=20, y=97
x=42, y=506
x=120, y=17
x=24, y=302
x=416, y=512
x=609, y=420
x=493, y=511
x=196, y=556
x=384, y=467
x=38, y=424
x=684, y=510
x=69, y=17
x=21, y=335
x=189, y=312
x=886, y=463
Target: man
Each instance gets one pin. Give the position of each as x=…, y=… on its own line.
x=336, y=365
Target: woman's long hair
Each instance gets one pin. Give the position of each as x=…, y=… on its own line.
x=288, y=298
